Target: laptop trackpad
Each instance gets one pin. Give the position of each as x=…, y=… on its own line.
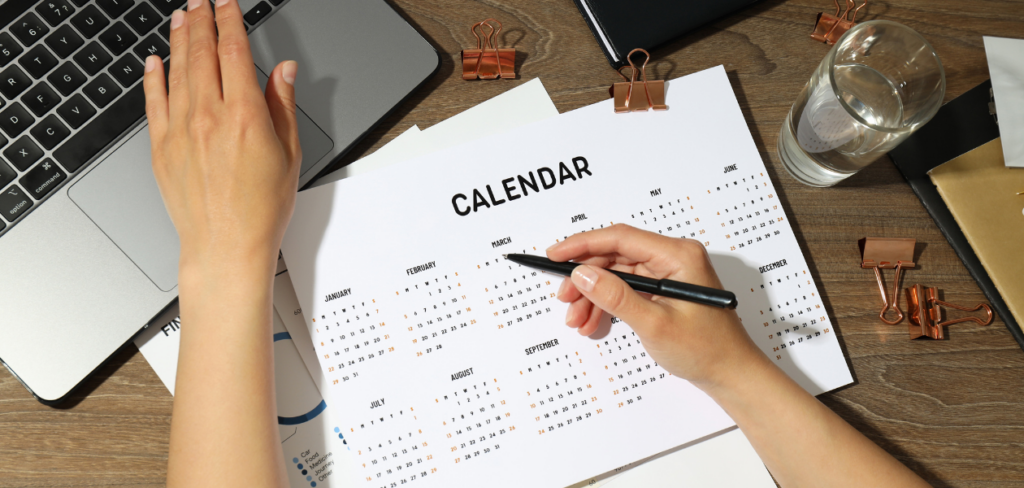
x=121, y=197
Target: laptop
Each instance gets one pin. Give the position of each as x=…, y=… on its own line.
x=88, y=254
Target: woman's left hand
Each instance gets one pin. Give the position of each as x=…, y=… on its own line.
x=226, y=156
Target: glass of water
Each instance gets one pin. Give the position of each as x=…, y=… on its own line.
x=880, y=82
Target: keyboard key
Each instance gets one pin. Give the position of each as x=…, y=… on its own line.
x=76, y=111
x=167, y=6
x=103, y=130
x=3, y=142
x=165, y=30
x=23, y=153
x=40, y=99
x=29, y=29
x=114, y=8
x=276, y=2
x=150, y=46
x=50, y=131
x=127, y=70
x=9, y=49
x=15, y=119
x=64, y=41
x=143, y=18
x=89, y=21
x=55, y=11
x=13, y=203
x=38, y=61
x=257, y=13
x=92, y=58
x=102, y=90
x=118, y=38
x=67, y=78
x=7, y=175
x=42, y=179
x=80, y=3
x=13, y=81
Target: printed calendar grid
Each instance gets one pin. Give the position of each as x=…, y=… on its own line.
x=455, y=361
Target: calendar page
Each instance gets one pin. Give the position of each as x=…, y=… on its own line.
x=453, y=367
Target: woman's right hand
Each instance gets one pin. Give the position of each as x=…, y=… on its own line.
x=703, y=344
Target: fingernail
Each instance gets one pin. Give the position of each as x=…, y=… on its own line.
x=569, y=315
x=584, y=278
x=221, y=3
x=194, y=4
x=151, y=63
x=288, y=72
x=177, y=18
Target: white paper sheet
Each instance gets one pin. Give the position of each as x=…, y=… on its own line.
x=1006, y=67
x=369, y=276
x=533, y=104
x=388, y=154
x=521, y=105
x=724, y=460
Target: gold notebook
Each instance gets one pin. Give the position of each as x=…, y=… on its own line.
x=981, y=193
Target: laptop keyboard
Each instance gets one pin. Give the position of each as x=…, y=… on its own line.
x=70, y=86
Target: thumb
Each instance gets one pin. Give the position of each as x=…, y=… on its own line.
x=281, y=103
x=609, y=293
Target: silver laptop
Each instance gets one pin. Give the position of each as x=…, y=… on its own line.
x=88, y=254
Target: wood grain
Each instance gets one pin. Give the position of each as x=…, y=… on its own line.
x=952, y=410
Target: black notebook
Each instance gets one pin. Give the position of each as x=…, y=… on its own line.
x=621, y=26
x=960, y=126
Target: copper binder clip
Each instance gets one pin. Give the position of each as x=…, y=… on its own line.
x=487, y=61
x=634, y=96
x=923, y=306
x=885, y=253
x=829, y=28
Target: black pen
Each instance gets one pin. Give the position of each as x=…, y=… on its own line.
x=665, y=288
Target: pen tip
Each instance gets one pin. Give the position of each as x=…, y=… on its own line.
x=504, y=256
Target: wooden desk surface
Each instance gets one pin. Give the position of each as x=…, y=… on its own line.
x=952, y=410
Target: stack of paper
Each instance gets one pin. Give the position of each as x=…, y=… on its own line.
x=313, y=438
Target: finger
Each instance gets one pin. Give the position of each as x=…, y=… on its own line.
x=177, y=81
x=592, y=322
x=281, y=102
x=621, y=239
x=203, y=64
x=238, y=73
x=567, y=292
x=609, y=293
x=661, y=255
x=156, y=97
x=578, y=312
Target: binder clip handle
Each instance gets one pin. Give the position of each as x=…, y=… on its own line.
x=488, y=61
x=895, y=303
x=925, y=311
x=486, y=44
x=627, y=94
x=830, y=27
x=981, y=306
x=888, y=253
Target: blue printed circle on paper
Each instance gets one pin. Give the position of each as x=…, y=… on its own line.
x=300, y=466
x=313, y=484
x=337, y=429
x=308, y=478
x=294, y=397
x=295, y=460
